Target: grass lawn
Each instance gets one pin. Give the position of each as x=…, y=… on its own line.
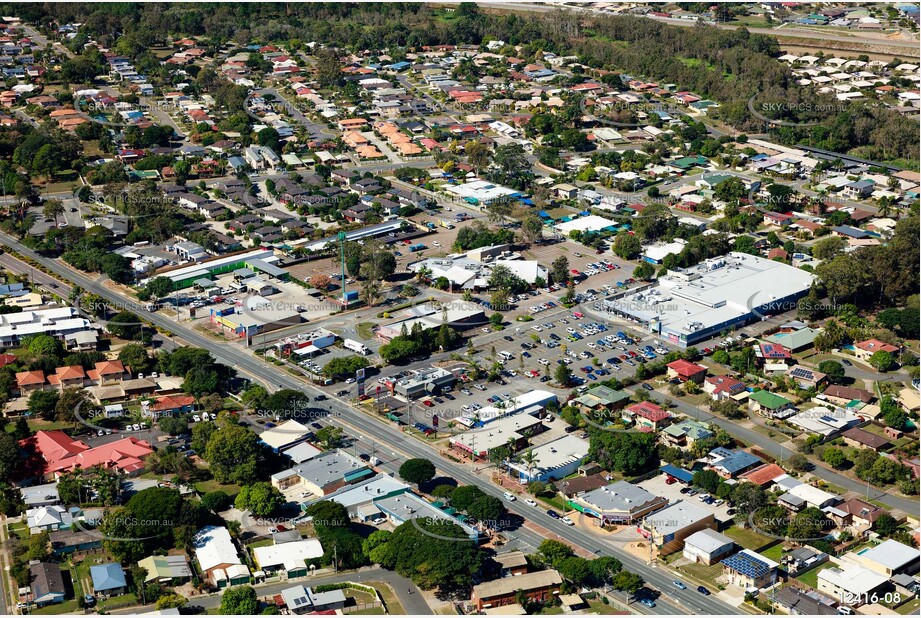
x=364, y=329
x=204, y=487
x=702, y=572
x=20, y=529
x=749, y=539
x=555, y=502
x=811, y=577
x=390, y=600
x=120, y=601
x=597, y=607
x=774, y=553
x=262, y=543
x=909, y=608
x=67, y=607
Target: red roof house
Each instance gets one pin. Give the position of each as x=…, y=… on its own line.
x=647, y=415
x=720, y=387
x=61, y=453
x=685, y=370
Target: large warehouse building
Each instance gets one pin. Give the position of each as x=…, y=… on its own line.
x=697, y=303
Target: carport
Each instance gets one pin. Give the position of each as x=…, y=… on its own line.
x=679, y=473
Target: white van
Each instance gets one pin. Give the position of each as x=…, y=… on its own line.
x=506, y=355
x=508, y=496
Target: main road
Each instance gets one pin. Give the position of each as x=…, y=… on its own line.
x=677, y=602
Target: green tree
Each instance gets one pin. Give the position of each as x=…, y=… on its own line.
x=834, y=370
x=261, y=499
x=417, y=471
x=465, y=495
x=135, y=357
x=835, y=457
x=552, y=552
x=882, y=360
x=215, y=501
x=43, y=404
x=562, y=374
x=487, y=509
x=239, y=601
x=235, y=455
x=627, y=246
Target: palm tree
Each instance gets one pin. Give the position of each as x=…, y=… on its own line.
x=529, y=460
x=510, y=444
x=423, y=274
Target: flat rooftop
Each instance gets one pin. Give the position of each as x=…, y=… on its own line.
x=714, y=292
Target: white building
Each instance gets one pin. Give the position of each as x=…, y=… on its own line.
x=553, y=460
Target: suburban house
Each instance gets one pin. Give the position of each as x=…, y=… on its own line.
x=601, y=398
x=302, y=600
x=164, y=569
x=723, y=387
x=108, y=579
x=889, y=558
x=646, y=416
x=852, y=582
x=730, y=464
x=843, y=395
x=218, y=559
x=686, y=371
x=865, y=349
x=46, y=583
x=806, y=378
x=538, y=586
x=747, y=569
x=168, y=405
x=685, y=433
x=48, y=518
x=770, y=404
x=288, y=558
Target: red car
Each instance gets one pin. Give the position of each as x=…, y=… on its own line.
x=632, y=354
x=670, y=480
x=427, y=403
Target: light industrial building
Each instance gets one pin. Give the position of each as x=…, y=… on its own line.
x=554, y=460
x=458, y=315
x=480, y=192
x=471, y=270
x=697, y=303
x=618, y=503
x=201, y=273
x=425, y=382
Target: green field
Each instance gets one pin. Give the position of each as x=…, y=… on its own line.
x=811, y=577
x=749, y=539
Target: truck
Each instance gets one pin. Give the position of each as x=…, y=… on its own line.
x=356, y=346
x=446, y=224
x=416, y=247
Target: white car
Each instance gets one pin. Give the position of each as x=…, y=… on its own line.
x=544, y=361
x=479, y=387
x=571, y=330
x=592, y=346
x=530, y=502
x=435, y=243
x=509, y=497
x=568, y=521
x=136, y=427
x=466, y=408
x=196, y=418
x=537, y=328
x=350, y=381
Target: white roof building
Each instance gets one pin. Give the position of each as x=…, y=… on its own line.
x=591, y=223
x=285, y=434
x=814, y=496
x=214, y=547
x=289, y=556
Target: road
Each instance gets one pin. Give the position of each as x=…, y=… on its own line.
x=407, y=593
x=317, y=130
x=911, y=46
x=679, y=601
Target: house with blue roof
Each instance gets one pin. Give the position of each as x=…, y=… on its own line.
x=108, y=579
x=749, y=570
x=730, y=464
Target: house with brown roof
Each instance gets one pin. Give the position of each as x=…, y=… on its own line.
x=65, y=377
x=572, y=487
x=860, y=438
x=108, y=372
x=168, y=405
x=763, y=475
x=842, y=395
x=539, y=586
x=30, y=381
x=860, y=513
x=646, y=415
